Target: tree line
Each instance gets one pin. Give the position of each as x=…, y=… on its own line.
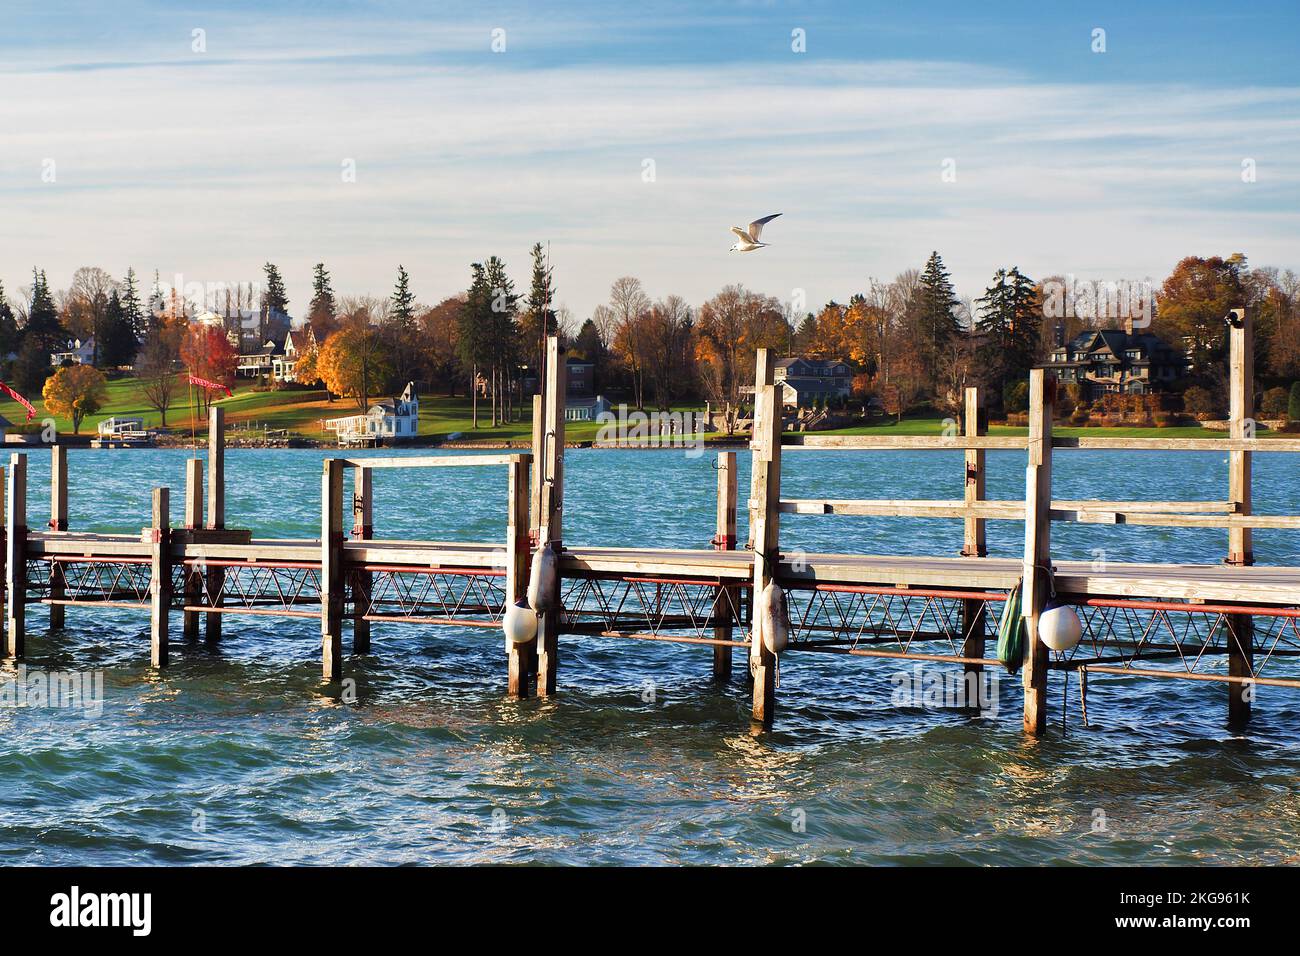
x=912, y=339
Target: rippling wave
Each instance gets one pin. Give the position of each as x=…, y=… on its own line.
x=240, y=755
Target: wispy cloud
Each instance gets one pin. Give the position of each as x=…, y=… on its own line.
x=461, y=153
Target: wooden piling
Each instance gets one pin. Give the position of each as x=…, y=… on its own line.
x=725, y=540
x=973, y=613
x=16, y=557
x=539, y=462
x=1241, y=411
x=363, y=528
x=216, y=576
x=331, y=564
x=193, y=522
x=521, y=658
x=764, y=520
x=4, y=542
x=160, y=577
x=1038, y=550
x=550, y=528
x=58, y=522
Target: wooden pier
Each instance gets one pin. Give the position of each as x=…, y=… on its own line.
x=1225, y=622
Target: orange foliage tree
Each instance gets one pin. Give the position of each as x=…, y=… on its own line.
x=75, y=392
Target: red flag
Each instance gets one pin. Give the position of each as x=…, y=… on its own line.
x=214, y=386
x=31, y=412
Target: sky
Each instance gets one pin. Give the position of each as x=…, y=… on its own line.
x=630, y=137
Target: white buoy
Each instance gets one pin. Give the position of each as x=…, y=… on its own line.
x=773, y=618
x=519, y=623
x=1059, y=627
x=541, y=582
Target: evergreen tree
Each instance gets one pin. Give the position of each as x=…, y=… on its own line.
x=503, y=335
x=10, y=334
x=938, y=305
x=1293, y=403
x=323, y=307
x=1008, y=325
x=401, y=331
x=403, y=301
x=120, y=344
x=43, y=325
x=275, y=298
x=132, y=309
x=471, y=330
x=539, y=319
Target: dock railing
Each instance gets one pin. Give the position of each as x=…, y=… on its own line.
x=1038, y=510
x=364, y=559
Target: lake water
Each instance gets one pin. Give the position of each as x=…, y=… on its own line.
x=241, y=755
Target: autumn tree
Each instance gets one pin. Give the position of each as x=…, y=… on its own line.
x=75, y=392
x=669, y=348
x=731, y=326
x=438, y=327
x=630, y=307
x=207, y=353
x=1194, y=302
x=354, y=363
x=156, y=365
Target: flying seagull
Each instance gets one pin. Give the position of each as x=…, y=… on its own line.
x=747, y=240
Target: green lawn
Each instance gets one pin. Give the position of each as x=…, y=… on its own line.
x=300, y=412
x=934, y=425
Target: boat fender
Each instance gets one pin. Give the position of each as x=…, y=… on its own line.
x=773, y=618
x=519, y=623
x=1059, y=627
x=542, y=579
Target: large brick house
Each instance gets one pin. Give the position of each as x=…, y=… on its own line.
x=1117, y=361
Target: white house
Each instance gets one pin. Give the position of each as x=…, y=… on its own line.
x=391, y=420
x=298, y=340
x=81, y=353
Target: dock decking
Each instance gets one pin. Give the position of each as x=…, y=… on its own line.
x=1231, y=623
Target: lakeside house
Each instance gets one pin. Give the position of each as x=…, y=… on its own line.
x=81, y=353
x=1117, y=361
x=807, y=381
x=391, y=420
x=297, y=341
x=579, y=409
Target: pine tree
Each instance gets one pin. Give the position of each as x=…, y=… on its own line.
x=1009, y=321
x=43, y=325
x=10, y=334
x=323, y=307
x=132, y=309
x=539, y=320
x=938, y=306
x=503, y=334
x=403, y=300
x=120, y=344
x=275, y=298
x=471, y=331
